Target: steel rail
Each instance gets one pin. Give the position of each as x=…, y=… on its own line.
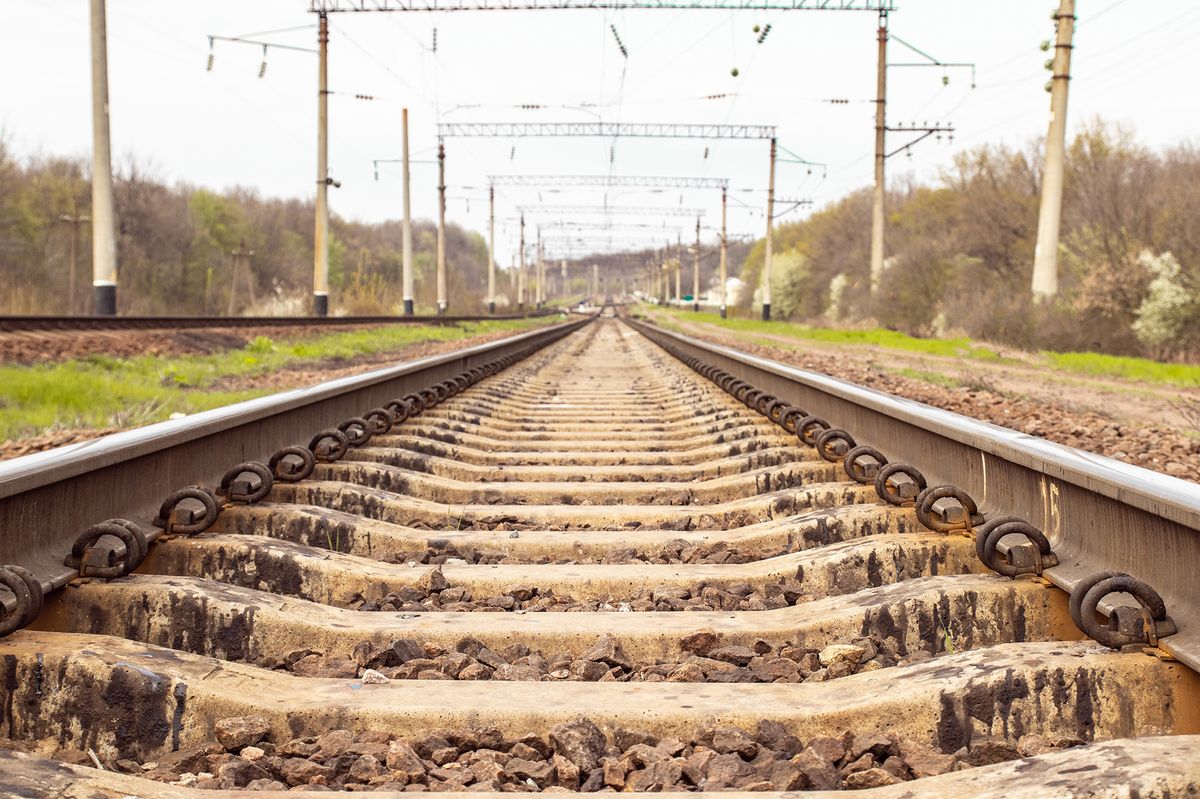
x=1098, y=513
x=16, y=324
x=47, y=499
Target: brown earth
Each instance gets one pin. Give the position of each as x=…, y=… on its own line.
x=32, y=347
x=1128, y=421
x=290, y=377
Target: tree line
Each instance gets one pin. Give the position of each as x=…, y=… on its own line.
x=175, y=246
x=960, y=252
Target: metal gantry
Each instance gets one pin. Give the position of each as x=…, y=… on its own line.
x=604, y=181
x=653, y=130
x=594, y=210
x=338, y=6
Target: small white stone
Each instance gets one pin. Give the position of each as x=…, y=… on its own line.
x=177, y=415
x=252, y=753
x=372, y=677
x=850, y=653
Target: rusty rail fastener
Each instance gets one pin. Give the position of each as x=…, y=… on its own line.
x=1127, y=626
x=173, y=518
x=87, y=546
x=1027, y=558
x=235, y=486
x=925, y=512
x=28, y=593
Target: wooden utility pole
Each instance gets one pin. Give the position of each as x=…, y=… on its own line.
x=240, y=255
x=104, y=232
x=1045, y=255
x=75, y=220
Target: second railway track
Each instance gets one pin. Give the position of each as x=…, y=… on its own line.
x=599, y=556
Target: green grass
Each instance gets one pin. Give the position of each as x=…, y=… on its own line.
x=1142, y=370
x=936, y=378
x=100, y=391
x=878, y=337
x=1091, y=364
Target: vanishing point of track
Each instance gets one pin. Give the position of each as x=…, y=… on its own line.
x=596, y=556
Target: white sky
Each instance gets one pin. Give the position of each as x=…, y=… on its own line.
x=1134, y=62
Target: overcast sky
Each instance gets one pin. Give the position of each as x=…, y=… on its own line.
x=1135, y=63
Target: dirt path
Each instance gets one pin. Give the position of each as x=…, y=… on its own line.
x=1130, y=421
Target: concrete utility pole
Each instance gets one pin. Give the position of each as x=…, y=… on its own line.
x=104, y=231
x=678, y=268
x=521, y=269
x=491, y=250
x=878, y=209
x=1045, y=256
x=321, y=239
x=74, y=219
x=240, y=255
x=407, y=267
x=563, y=269
x=595, y=282
x=441, y=234
x=724, y=276
x=696, y=270
x=538, y=276
x=766, y=306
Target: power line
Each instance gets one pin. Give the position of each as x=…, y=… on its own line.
x=334, y=6
x=647, y=181
x=604, y=129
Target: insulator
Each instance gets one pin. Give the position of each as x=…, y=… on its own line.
x=262, y=69
x=1045, y=45
x=210, y=63
x=945, y=80
x=734, y=72
x=1049, y=64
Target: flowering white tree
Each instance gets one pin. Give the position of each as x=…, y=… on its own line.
x=1168, y=309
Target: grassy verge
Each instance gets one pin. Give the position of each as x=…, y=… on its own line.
x=1091, y=364
x=1142, y=370
x=101, y=392
x=887, y=339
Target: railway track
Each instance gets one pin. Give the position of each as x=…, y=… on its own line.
x=31, y=323
x=598, y=556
